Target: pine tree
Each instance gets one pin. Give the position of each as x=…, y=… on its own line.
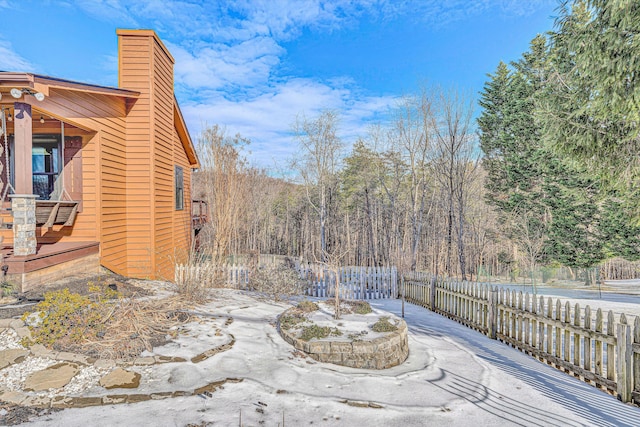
x=591, y=106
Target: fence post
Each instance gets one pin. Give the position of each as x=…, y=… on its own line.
x=493, y=311
x=403, y=294
x=432, y=294
x=624, y=358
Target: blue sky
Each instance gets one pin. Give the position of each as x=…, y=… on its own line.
x=251, y=66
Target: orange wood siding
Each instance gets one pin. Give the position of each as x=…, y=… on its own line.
x=155, y=232
x=130, y=146
x=163, y=163
x=135, y=74
x=102, y=166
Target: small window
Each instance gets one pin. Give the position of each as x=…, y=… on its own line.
x=179, y=184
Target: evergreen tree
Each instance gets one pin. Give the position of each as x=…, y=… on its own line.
x=548, y=205
x=513, y=152
x=590, y=109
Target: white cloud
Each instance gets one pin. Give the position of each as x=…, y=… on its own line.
x=267, y=119
x=109, y=10
x=220, y=65
x=228, y=55
x=10, y=60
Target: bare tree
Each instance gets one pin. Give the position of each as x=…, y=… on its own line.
x=320, y=153
x=456, y=165
x=223, y=179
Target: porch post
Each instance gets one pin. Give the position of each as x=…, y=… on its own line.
x=23, y=142
x=23, y=209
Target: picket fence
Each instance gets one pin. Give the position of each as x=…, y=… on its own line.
x=355, y=282
x=232, y=275
x=596, y=347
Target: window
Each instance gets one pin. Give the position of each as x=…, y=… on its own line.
x=179, y=184
x=45, y=163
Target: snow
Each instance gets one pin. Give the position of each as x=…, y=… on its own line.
x=454, y=376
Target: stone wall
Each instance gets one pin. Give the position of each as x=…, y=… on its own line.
x=379, y=353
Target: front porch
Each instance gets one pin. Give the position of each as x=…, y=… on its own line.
x=51, y=262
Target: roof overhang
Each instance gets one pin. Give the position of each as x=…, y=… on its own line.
x=43, y=84
x=185, y=138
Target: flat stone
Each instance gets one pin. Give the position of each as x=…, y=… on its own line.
x=61, y=402
x=56, y=376
x=72, y=357
x=23, y=332
x=120, y=378
x=16, y=323
x=12, y=356
x=14, y=397
x=168, y=359
x=161, y=395
x=150, y=360
x=104, y=363
x=37, y=402
x=135, y=398
x=341, y=347
x=114, y=399
x=85, y=402
x=39, y=350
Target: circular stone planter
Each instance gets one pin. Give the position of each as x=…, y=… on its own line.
x=382, y=352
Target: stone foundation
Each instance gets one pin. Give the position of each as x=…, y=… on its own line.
x=379, y=353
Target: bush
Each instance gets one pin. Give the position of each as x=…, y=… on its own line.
x=197, y=276
x=65, y=315
x=307, y=306
x=319, y=332
x=7, y=289
x=276, y=281
x=289, y=321
x=361, y=307
x=384, y=325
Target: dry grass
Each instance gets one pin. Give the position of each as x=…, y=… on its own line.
x=126, y=326
x=133, y=326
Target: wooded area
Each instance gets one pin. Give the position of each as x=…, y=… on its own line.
x=430, y=190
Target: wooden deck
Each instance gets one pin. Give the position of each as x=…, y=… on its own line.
x=51, y=262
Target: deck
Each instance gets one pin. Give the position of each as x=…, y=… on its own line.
x=51, y=262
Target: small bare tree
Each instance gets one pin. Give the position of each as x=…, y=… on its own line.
x=333, y=262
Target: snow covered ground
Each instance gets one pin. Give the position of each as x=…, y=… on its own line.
x=454, y=376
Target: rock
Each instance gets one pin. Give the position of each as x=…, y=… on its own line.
x=11, y=356
x=56, y=376
x=120, y=378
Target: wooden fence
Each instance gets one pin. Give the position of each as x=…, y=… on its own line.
x=364, y=283
x=231, y=275
x=355, y=282
x=594, y=346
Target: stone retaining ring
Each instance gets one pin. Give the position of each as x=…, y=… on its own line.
x=380, y=353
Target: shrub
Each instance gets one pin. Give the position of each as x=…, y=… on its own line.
x=289, y=321
x=384, y=325
x=319, y=332
x=197, y=276
x=307, y=306
x=67, y=315
x=7, y=289
x=276, y=281
x=361, y=307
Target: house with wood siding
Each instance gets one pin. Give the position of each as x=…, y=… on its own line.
x=103, y=172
